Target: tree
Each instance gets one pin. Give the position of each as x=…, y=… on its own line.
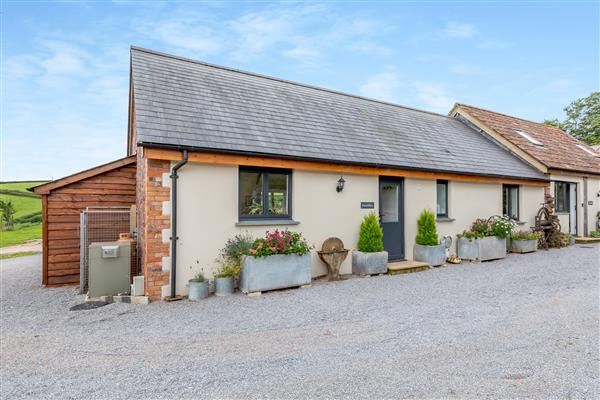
x=8, y=214
x=583, y=119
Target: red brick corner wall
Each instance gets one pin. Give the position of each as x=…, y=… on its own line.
x=152, y=193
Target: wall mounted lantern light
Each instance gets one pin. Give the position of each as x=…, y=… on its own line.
x=340, y=184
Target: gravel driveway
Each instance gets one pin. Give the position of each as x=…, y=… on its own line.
x=525, y=326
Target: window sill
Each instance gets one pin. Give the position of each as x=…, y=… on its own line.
x=445, y=219
x=267, y=222
x=520, y=222
x=561, y=212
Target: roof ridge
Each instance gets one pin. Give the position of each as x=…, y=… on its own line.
x=526, y=120
x=506, y=115
x=304, y=85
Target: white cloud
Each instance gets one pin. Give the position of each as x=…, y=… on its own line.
x=65, y=59
x=456, y=30
x=433, y=96
x=383, y=86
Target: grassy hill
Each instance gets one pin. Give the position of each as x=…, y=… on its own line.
x=28, y=208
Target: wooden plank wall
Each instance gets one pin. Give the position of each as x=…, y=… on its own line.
x=64, y=204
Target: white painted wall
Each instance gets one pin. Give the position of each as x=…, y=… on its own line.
x=592, y=195
x=208, y=212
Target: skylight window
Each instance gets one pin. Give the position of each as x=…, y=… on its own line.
x=529, y=137
x=587, y=150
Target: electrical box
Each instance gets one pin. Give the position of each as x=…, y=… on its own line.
x=110, y=268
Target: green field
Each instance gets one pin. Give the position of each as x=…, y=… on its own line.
x=25, y=204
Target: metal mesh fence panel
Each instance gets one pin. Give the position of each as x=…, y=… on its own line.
x=100, y=224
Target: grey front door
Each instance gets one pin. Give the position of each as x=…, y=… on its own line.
x=391, y=214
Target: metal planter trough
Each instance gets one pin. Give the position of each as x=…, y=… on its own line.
x=369, y=263
x=224, y=286
x=274, y=272
x=524, y=246
x=481, y=249
x=197, y=290
x=432, y=255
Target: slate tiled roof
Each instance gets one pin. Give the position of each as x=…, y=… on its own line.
x=185, y=103
x=559, y=150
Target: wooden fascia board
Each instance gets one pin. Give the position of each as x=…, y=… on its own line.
x=501, y=139
x=257, y=161
x=579, y=174
x=47, y=187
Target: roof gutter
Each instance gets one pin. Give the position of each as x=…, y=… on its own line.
x=174, y=176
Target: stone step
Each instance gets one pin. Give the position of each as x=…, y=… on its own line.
x=406, y=267
x=582, y=240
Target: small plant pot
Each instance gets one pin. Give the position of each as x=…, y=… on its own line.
x=369, y=263
x=523, y=246
x=223, y=286
x=432, y=255
x=197, y=290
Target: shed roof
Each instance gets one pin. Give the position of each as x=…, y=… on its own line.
x=184, y=103
x=558, y=149
x=45, y=188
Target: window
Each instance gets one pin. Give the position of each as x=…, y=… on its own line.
x=442, y=199
x=510, y=201
x=562, y=191
x=265, y=193
x=587, y=150
x=529, y=137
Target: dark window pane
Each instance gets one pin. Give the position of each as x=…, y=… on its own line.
x=278, y=194
x=510, y=202
x=442, y=199
x=251, y=198
x=562, y=196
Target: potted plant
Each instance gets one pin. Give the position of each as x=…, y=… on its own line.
x=427, y=243
x=524, y=242
x=224, y=280
x=198, y=287
x=370, y=258
x=486, y=240
x=279, y=260
x=230, y=260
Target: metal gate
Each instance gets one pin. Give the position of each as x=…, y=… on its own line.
x=100, y=224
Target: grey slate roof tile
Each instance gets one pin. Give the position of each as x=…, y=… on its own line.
x=181, y=102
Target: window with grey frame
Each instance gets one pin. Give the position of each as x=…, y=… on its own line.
x=265, y=193
x=562, y=191
x=442, y=199
x=510, y=201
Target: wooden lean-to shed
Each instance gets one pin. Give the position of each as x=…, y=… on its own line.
x=63, y=200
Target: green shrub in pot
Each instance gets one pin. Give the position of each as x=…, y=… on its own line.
x=370, y=258
x=427, y=246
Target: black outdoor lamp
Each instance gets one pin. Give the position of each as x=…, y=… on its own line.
x=340, y=185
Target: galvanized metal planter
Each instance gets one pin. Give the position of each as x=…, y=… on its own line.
x=481, y=249
x=223, y=286
x=524, y=246
x=432, y=255
x=369, y=263
x=274, y=272
x=197, y=290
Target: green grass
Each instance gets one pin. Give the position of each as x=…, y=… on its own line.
x=24, y=205
x=19, y=254
x=19, y=186
x=20, y=234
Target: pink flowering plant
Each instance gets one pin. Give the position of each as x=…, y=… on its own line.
x=280, y=242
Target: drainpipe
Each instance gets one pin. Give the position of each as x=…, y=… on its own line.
x=174, y=236
x=585, y=206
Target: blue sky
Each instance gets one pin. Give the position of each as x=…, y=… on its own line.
x=65, y=66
